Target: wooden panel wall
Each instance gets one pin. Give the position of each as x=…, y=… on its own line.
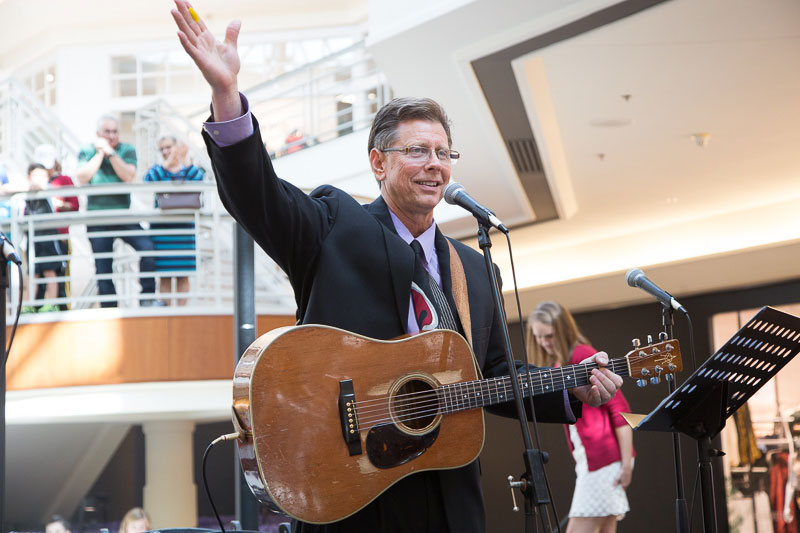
x=126, y=350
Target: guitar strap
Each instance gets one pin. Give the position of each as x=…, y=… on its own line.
x=459, y=281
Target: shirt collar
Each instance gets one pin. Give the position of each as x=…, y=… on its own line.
x=427, y=238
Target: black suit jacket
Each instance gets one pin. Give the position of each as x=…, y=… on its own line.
x=350, y=269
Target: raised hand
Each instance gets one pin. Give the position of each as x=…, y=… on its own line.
x=217, y=61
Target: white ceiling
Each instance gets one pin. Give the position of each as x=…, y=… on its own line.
x=728, y=68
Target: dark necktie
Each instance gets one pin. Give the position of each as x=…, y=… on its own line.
x=431, y=309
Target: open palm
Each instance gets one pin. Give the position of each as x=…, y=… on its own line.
x=217, y=61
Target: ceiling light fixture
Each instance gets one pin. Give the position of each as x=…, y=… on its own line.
x=701, y=139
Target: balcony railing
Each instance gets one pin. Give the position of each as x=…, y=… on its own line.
x=317, y=102
x=211, y=284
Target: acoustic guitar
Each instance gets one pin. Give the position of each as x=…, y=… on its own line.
x=328, y=419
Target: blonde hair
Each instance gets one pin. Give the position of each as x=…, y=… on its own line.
x=137, y=513
x=566, y=334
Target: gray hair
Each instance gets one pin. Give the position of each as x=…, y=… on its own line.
x=384, y=127
x=105, y=117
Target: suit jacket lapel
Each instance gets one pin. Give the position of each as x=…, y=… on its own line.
x=401, y=259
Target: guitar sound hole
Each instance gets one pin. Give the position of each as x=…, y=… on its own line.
x=415, y=406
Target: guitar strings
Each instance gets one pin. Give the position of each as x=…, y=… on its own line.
x=523, y=377
x=472, y=386
x=423, y=404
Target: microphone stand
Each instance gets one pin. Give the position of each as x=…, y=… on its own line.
x=533, y=484
x=681, y=514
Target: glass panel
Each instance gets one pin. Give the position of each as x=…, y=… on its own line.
x=123, y=88
x=123, y=65
x=150, y=85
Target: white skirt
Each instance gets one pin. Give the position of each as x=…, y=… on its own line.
x=595, y=493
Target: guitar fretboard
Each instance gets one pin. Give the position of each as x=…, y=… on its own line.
x=483, y=392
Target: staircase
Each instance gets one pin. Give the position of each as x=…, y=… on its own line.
x=25, y=123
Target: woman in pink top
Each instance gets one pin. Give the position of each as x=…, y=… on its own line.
x=601, y=441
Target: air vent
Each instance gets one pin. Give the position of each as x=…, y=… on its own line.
x=524, y=155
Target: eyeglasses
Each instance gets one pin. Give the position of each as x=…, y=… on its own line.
x=422, y=153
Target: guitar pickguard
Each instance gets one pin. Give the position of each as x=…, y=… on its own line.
x=388, y=447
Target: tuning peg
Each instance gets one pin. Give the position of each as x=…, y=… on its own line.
x=636, y=343
x=641, y=383
x=645, y=372
x=655, y=380
x=671, y=367
x=662, y=336
x=669, y=377
x=649, y=339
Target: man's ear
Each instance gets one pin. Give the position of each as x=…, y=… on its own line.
x=377, y=161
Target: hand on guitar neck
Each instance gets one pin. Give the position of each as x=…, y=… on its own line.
x=603, y=383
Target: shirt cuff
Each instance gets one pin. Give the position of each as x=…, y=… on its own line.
x=231, y=131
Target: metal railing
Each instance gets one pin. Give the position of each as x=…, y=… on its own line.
x=25, y=123
x=317, y=102
x=211, y=283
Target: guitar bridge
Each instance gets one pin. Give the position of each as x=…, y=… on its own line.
x=348, y=417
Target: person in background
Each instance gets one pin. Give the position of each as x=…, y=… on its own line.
x=47, y=156
x=38, y=180
x=174, y=169
x=57, y=524
x=104, y=162
x=135, y=521
x=601, y=441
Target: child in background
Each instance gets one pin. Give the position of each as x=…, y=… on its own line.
x=38, y=179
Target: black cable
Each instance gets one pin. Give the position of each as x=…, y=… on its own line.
x=525, y=362
x=694, y=495
x=691, y=340
x=16, y=320
x=229, y=436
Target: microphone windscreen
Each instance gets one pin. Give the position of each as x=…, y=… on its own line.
x=450, y=192
x=632, y=276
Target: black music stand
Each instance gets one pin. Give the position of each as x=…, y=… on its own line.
x=700, y=406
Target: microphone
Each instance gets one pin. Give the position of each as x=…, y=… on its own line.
x=455, y=194
x=9, y=253
x=636, y=278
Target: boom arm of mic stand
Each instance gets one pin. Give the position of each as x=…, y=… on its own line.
x=535, y=490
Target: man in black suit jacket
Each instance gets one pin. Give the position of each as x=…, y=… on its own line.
x=351, y=266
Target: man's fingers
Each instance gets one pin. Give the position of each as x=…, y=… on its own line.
x=190, y=48
x=183, y=27
x=232, y=33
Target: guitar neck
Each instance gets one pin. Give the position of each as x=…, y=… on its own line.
x=480, y=393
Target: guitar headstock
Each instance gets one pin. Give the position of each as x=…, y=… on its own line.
x=651, y=362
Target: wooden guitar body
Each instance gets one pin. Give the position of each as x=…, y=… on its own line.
x=306, y=455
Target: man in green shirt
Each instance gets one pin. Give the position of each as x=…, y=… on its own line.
x=104, y=162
